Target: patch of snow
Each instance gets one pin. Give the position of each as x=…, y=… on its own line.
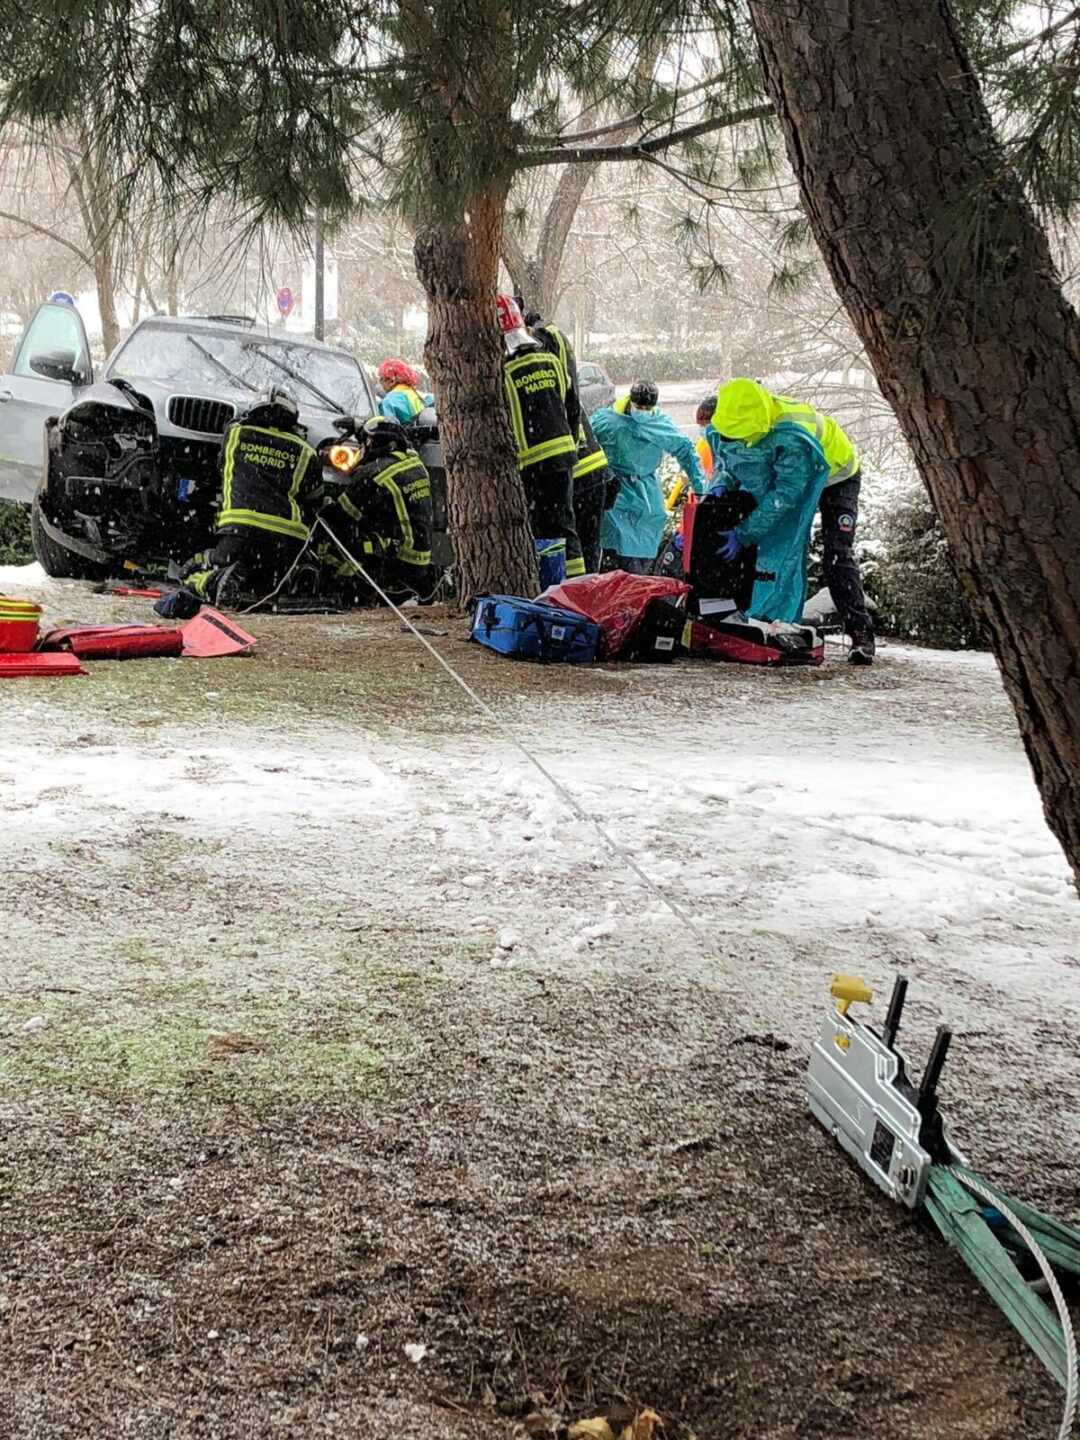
x=14, y=577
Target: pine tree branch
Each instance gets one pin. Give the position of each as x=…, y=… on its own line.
x=1041, y=38
x=564, y=137
x=644, y=149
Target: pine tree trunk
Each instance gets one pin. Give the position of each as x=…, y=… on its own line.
x=457, y=264
x=948, y=279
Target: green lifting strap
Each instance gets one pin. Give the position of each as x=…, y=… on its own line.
x=1059, y=1243
x=961, y=1218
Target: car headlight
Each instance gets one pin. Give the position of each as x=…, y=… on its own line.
x=344, y=458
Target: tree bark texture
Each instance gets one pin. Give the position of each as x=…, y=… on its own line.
x=458, y=265
x=948, y=279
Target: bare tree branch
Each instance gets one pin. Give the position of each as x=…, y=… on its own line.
x=644, y=149
x=50, y=234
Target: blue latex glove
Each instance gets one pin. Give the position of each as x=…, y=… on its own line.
x=729, y=547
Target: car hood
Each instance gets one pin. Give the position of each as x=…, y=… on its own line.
x=319, y=423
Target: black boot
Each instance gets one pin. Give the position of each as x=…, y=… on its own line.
x=862, y=648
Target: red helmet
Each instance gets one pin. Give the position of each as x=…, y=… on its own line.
x=705, y=411
x=396, y=372
x=510, y=317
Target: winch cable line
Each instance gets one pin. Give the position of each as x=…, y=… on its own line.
x=568, y=799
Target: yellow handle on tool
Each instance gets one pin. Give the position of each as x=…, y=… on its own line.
x=675, y=494
x=848, y=990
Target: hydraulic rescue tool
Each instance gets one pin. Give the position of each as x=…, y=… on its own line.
x=860, y=1090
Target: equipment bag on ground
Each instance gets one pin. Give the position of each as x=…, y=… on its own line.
x=528, y=630
x=52, y=663
x=754, y=642
x=115, y=642
x=617, y=601
x=658, y=637
x=18, y=625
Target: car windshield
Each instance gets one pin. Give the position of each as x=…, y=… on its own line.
x=321, y=379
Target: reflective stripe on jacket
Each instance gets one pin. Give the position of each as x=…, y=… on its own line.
x=389, y=504
x=746, y=411
x=264, y=474
x=591, y=454
x=536, y=386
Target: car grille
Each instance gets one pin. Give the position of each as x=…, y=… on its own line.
x=191, y=412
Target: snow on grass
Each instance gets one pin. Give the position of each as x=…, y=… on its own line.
x=16, y=577
x=813, y=822
x=245, y=788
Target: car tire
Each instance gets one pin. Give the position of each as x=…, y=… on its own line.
x=55, y=559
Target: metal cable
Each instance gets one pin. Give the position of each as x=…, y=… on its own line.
x=557, y=785
x=1068, y=1419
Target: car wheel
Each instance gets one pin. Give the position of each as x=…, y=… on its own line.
x=56, y=559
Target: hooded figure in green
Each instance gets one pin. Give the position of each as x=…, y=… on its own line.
x=635, y=440
x=785, y=468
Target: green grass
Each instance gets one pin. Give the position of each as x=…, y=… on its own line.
x=182, y=1043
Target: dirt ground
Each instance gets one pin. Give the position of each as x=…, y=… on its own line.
x=325, y=1031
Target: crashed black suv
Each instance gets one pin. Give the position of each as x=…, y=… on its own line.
x=122, y=473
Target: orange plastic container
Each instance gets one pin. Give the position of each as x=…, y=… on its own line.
x=18, y=625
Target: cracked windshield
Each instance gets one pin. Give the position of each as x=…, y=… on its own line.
x=319, y=378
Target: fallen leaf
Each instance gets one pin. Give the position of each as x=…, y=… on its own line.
x=597, y=1429
x=642, y=1427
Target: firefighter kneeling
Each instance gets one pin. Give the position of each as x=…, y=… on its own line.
x=383, y=518
x=269, y=476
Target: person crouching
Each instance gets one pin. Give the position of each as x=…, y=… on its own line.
x=270, y=477
x=383, y=517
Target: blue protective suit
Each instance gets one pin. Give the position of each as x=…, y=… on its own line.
x=635, y=441
x=785, y=471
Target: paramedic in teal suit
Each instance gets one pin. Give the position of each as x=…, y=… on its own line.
x=636, y=436
x=785, y=471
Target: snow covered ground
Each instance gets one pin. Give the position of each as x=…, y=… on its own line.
x=801, y=822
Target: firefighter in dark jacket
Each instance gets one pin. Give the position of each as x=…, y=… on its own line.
x=594, y=489
x=383, y=517
x=270, y=478
x=538, y=397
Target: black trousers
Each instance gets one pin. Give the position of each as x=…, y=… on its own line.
x=244, y=562
x=549, y=492
x=839, y=516
x=589, y=494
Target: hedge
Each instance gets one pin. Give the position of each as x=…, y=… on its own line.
x=669, y=364
x=15, y=546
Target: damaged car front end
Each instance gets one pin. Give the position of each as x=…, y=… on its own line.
x=116, y=495
x=123, y=474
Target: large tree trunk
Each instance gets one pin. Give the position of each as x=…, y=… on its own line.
x=539, y=277
x=948, y=279
x=458, y=267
